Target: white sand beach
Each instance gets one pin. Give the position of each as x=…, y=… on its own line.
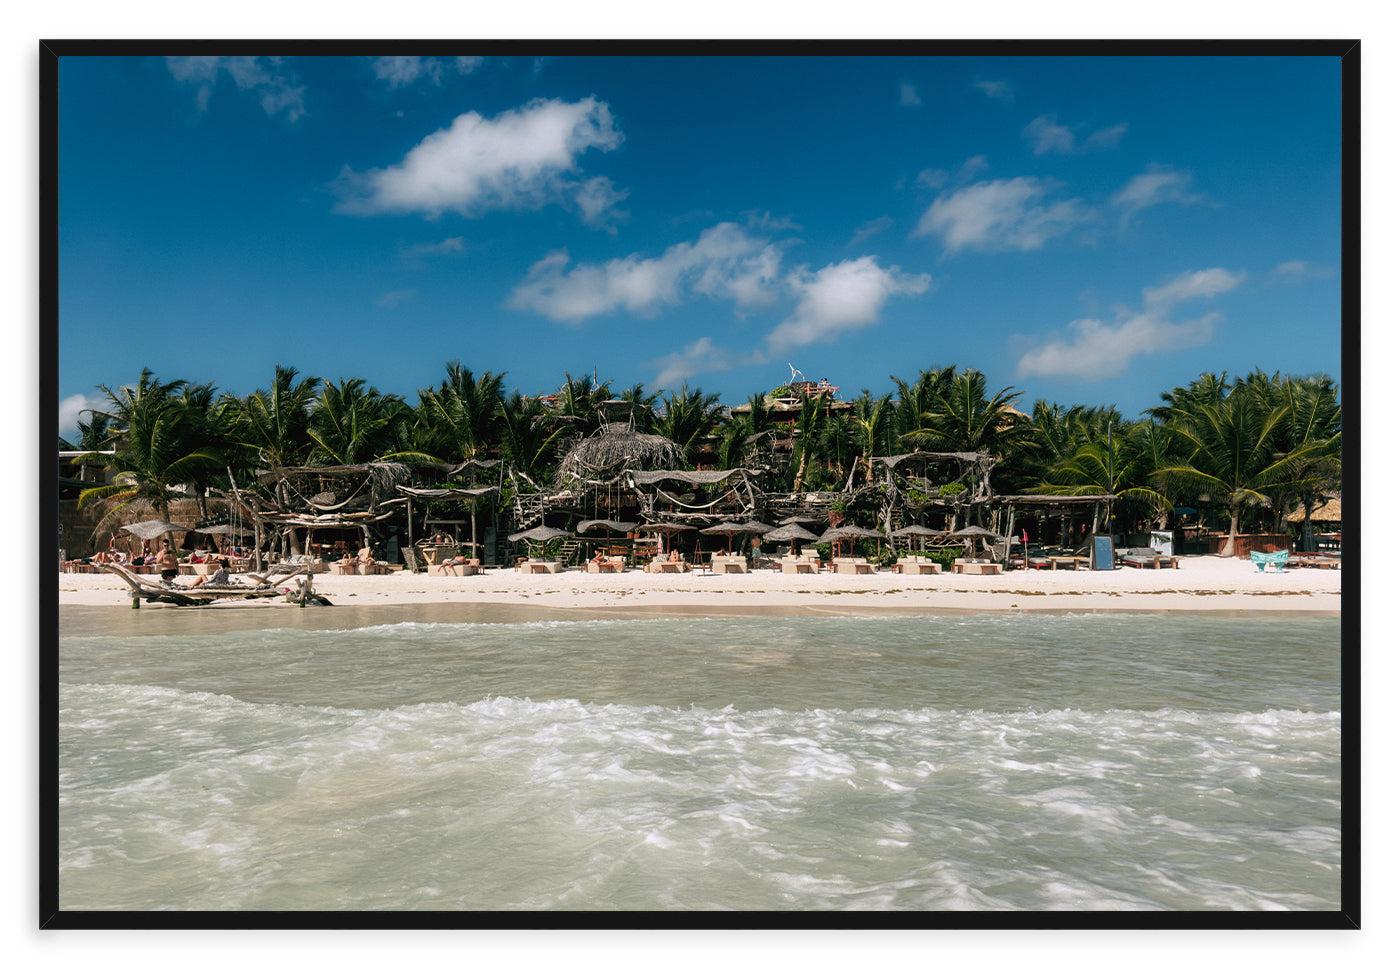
x=1201, y=584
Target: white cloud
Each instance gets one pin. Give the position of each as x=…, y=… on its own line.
x=1045, y=134
x=445, y=247
x=871, y=228
x=277, y=90
x=971, y=167
x=521, y=159
x=725, y=262
x=70, y=412
x=908, y=96
x=933, y=177
x=1299, y=269
x=843, y=296
x=1158, y=185
x=1106, y=137
x=1195, y=285
x=596, y=199
x=996, y=90
x=393, y=298
x=1095, y=350
x=702, y=356
x=401, y=71
x=1001, y=215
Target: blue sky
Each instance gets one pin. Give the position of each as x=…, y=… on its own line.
x=1083, y=230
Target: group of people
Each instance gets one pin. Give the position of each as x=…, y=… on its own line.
x=169, y=564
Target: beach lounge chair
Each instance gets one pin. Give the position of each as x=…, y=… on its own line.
x=1277, y=559
x=851, y=565
x=917, y=565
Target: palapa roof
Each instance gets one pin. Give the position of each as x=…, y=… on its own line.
x=894, y=460
x=689, y=477
x=447, y=492
x=616, y=446
x=1330, y=512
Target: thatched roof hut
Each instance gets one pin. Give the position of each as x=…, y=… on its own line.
x=1330, y=512
x=614, y=447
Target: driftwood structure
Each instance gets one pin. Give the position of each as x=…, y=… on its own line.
x=266, y=588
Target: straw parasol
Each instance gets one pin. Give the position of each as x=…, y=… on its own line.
x=800, y=520
x=838, y=533
x=730, y=529
x=540, y=533
x=153, y=528
x=922, y=531
x=971, y=533
x=608, y=523
x=665, y=528
x=792, y=532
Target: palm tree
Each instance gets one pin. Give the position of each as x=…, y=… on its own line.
x=1230, y=451
x=741, y=431
x=275, y=423
x=158, y=446
x=527, y=439
x=962, y=418
x=689, y=417
x=579, y=404
x=464, y=411
x=1121, y=464
x=871, y=421
x=1314, y=418
x=642, y=409
x=919, y=398
x=805, y=434
x=350, y=423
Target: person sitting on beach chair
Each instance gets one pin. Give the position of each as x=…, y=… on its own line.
x=446, y=565
x=219, y=576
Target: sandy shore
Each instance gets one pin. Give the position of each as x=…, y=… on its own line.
x=1204, y=584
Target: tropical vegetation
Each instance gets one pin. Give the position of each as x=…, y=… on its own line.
x=1246, y=449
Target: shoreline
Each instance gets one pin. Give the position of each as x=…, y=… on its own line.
x=1202, y=585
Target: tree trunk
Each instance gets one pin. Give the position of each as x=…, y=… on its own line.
x=1228, y=549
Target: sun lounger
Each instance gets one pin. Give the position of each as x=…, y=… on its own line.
x=851, y=565
x=537, y=566
x=976, y=567
x=1277, y=559
x=729, y=563
x=914, y=565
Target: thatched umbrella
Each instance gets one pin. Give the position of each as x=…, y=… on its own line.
x=154, y=528
x=837, y=533
x=730, y=529
x=922, y=531
x=587, y=526
x=793, y=532
x=801, y=520
x=665, y=528
x=971, y=533
x=540, y=533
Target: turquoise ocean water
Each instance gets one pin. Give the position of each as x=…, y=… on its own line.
x=978, y=763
